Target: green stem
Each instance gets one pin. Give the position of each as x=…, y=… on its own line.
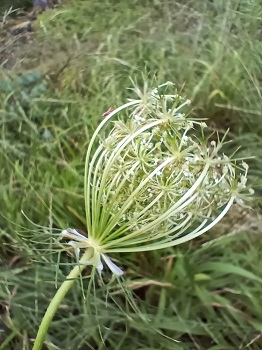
x=58, y=298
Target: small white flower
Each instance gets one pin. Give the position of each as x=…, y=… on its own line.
x=242, y=183
x=245, y=166
x=186, y=173
x=239, y=201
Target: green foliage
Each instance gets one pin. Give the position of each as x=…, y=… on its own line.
x=210, y=49
x=21, y=90
x=206, y=296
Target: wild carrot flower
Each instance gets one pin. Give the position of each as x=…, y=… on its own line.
x=156, y=180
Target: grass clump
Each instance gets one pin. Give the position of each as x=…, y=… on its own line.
x=208, y=296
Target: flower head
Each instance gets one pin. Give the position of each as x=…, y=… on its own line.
x=156, y=181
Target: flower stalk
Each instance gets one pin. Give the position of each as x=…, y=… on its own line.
x=58, y=298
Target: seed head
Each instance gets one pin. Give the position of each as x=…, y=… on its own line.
x=157, y=180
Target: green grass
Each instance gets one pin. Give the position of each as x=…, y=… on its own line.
x=205, y=296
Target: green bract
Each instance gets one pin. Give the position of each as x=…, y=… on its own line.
x=152, y=183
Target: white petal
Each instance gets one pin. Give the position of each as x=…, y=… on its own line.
x=100, y=266
x=77, y=250
x=73, y=243
x=113, y=267
x=73, y=234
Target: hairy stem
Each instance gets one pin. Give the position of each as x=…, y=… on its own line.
x=58, y=298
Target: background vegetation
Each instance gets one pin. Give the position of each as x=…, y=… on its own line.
x=80, y=57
